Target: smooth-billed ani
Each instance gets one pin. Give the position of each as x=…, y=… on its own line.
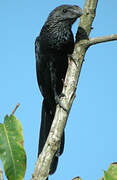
x=52, y=48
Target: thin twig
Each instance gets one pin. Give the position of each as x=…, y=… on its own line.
x=102, y=39
x=1, y=175
x=17, y=105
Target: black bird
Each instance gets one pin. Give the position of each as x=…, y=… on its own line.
x=52, y=48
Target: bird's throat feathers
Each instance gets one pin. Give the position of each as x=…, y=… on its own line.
x=56, y=36
x=56, y=26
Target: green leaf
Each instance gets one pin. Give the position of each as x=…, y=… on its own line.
x=107, y=176
x=12, y=151
x=111, y=174
x=113, y=170
x=77, y=178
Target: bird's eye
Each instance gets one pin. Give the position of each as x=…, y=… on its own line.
x=64, y=10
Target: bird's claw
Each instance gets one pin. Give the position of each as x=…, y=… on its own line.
x=71, y=57
x=57, y=99
x=61, y=95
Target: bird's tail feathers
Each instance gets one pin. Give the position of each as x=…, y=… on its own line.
x=48, y=112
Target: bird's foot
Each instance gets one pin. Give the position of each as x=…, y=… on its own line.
x=57, y=100
x=74, y=60
x=57, y=153
x=61, y=95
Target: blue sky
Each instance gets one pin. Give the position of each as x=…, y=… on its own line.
x=91, y=131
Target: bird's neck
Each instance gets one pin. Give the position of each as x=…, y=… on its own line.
x=56, y=30
x=56, y=36
x=58, y=26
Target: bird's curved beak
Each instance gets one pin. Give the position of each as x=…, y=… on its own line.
x=77, y=10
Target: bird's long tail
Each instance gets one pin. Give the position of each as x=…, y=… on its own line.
x=48, y=112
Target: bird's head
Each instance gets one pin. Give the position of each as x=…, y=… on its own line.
x=65, y=13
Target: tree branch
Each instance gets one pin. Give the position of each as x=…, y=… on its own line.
x=53, y=141
x=102, y=39
x=17, y=105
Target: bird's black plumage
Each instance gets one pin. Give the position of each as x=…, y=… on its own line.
x=52, y=48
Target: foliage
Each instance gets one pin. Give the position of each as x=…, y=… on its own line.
x=111, y=174
x=12, y=151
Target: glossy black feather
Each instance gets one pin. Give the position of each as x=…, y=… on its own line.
x=52, y=48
